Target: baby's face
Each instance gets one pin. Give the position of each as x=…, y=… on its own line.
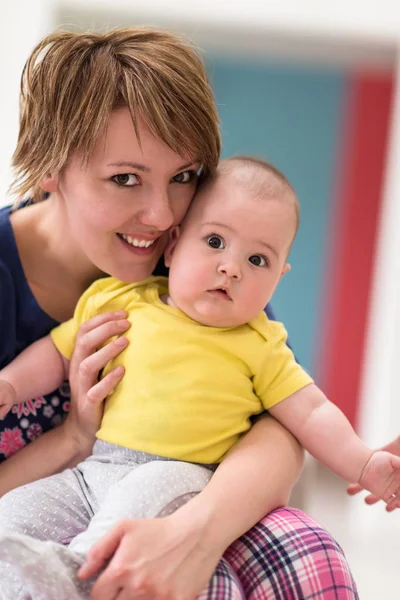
x=230, y=255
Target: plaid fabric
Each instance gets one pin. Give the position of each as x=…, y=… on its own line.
x=224, y=584
x=286, y=556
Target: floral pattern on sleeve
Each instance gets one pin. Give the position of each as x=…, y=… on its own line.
x=27, y=421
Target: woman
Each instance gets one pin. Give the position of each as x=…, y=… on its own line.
x=114, y=130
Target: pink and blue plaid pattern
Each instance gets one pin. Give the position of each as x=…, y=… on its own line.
x=286, y=556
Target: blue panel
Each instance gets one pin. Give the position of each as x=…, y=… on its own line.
x=290, y=116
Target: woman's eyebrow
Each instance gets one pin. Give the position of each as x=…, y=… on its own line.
x=143, y=168
x=190, y=164
x=131, y=165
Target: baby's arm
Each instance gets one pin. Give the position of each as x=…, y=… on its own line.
x=38, y=370
x=326, y=433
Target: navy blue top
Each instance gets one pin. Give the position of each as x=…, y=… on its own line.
x=22, y=322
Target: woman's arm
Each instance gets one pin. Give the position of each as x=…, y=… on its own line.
x=72, y=441
x=175, y=556
x=256, y=477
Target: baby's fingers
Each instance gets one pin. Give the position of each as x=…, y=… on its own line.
x=354, y=488
x=4, y=409
x=371, y=499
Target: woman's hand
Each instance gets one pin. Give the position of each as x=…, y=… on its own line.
x=87, y=392
x=153, y=559
x=355, y=488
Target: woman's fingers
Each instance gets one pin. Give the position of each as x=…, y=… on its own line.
x=103, y=550
x=92, y=353
x=95, y=362
x=105, y=386
x=88, y=342
x=102, y=318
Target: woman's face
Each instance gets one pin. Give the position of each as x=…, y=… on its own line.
x=121, y=205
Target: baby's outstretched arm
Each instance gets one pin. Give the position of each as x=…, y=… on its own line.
x=326, y=433
x=38, y=370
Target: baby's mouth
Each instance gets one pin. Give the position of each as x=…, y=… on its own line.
x=220, y=293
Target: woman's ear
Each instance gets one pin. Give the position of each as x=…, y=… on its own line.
x=285, y=269
x=49, y=183
x=174, y=234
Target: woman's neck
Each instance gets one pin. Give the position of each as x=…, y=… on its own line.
x=56, y=268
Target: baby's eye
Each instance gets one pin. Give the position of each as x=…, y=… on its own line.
x=185, y=177
x=125, y=179
x=216, y=242
x=258, y=260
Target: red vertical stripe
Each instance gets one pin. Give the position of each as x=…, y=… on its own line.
x=353, y=243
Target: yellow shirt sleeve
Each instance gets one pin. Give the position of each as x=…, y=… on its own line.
x=279, y=375
x=64, y=335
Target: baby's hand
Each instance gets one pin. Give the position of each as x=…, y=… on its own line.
x=8, y=397
x=381, y=476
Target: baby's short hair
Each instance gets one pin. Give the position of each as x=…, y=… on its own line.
x=261, y=178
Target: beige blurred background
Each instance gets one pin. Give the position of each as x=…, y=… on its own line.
x=321, y=40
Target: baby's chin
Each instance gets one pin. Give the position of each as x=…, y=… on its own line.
x=215, y=318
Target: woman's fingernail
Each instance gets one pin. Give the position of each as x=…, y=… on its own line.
x=119, y=370
x=123, y=323
x=120, y=313
x=121, y=341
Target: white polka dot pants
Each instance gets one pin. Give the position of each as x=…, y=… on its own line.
x=77, y=507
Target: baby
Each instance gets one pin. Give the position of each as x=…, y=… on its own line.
x=202, y=359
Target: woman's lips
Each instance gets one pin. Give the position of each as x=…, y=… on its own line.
x=138, y=245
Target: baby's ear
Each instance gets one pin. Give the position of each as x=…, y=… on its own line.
x=174, y=234
x=49, y=183
x=285, y=269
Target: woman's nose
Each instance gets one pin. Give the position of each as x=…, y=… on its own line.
x=156, y=212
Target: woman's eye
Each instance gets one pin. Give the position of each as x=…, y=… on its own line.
x=214, y=241
x=125, y=179
x=258, y=260
x=185, y=177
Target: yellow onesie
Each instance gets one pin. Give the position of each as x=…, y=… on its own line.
x=189, y=390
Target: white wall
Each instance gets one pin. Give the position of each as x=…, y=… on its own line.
x=371, y=19
x=22, y=24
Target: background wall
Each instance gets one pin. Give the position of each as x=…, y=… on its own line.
x=292, y=116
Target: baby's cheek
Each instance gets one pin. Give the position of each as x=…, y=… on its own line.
x=255, y=297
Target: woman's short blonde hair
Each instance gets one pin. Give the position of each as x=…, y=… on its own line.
x=72, y=82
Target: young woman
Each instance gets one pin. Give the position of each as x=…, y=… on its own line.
x=115, y=129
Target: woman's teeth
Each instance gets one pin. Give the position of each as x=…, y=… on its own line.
x=135, y=242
